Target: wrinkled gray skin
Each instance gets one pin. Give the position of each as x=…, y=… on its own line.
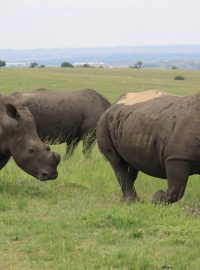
x=66, y=116
x=160, y=137
x=19, y=139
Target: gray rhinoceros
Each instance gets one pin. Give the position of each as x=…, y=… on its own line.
x=156, y=133
x=63, y=116
x=19, y=139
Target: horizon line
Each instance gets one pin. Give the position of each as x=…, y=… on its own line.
x=103, y=47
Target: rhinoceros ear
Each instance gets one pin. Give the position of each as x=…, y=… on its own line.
x=12, y=111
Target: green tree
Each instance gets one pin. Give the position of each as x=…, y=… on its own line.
x=86, y=66
x=67, y=65
x=2, y=63
x=139, y=64
x=33, y=65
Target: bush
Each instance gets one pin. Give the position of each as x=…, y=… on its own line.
x=179, y=77
x=86, y=66
x=67, y=65
x=174, y=67
x=137, y=65
x=2, y=63
x=33, y=65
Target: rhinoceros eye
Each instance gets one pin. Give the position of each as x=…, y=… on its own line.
x=31, y=150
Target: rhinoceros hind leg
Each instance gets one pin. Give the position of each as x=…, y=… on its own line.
x=126, y=178
x=125, y=174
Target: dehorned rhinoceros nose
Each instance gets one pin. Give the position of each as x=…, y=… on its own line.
x=44, y=176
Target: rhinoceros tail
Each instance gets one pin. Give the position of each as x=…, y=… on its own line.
x=104, y=140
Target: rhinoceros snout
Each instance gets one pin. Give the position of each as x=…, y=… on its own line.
x=44, y=176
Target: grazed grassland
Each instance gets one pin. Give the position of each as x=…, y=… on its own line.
x=77, y=221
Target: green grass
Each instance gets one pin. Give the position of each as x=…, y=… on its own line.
x=77, y=221
x=109, y=82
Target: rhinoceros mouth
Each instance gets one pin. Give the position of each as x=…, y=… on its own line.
x=44, y=176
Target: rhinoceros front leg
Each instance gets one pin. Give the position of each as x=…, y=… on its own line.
x=177, y=177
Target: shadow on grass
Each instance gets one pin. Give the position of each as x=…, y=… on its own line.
x=24, y=187
x=36, y=189
x=75, y=186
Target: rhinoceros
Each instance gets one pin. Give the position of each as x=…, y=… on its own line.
x=63, y=116
x=156, y=133
x=19, y=139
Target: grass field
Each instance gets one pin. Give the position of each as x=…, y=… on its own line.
x=77, y=221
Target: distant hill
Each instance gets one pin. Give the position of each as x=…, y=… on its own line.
x=182, y=56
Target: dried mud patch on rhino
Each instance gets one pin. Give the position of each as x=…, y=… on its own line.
x=134, y=98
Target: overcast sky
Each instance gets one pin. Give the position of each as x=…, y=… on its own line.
x=96, y=23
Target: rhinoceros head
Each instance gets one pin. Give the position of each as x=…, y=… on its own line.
x=26, y=148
